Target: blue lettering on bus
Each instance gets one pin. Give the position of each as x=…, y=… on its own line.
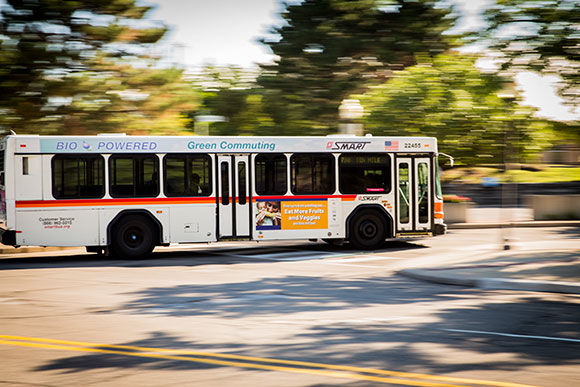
x=126, y=145
x=200, y=145
x=233, y=146
x=66, y=145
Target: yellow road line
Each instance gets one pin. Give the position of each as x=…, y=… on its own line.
x=322, y=372
x=324, y=369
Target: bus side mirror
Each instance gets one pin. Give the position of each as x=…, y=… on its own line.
x=449, y=157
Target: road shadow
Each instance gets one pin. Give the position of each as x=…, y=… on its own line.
x=282, y=295
x=532, y=319
x=461, y=337
x=124, y=360
x=490, y=337
x=212, y=255
x=567, y=232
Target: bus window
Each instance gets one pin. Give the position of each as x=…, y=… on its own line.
x=225, y=183
x=187, y=175
x=25, y=166
x=438, y=190
x=364, y=173
x=134, y=175
x=242, y=196
x=312, y=174
x=423, y=192
x=271, y=174
x=175, y=176
x=78, y=177
x=403, y=193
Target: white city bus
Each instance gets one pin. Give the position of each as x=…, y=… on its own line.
x=125, y=195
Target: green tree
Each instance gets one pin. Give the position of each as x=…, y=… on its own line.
x=82, y=67
x=449, y=98
x=329, y=49
x=231, y=92
x=540, y=36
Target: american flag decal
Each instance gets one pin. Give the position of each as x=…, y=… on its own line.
x=391, y=145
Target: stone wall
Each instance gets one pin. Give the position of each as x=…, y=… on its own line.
x=551, y=207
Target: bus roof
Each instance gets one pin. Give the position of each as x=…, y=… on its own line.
x=115, y=143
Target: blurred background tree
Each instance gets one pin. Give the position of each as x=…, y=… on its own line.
x=231, y=92
x=330, y=49
x=543, y=37
x=449, y=98
x=73, y=67
x=540, y=36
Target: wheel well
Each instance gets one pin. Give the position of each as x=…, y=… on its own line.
x=374, y=207
x=145, y=214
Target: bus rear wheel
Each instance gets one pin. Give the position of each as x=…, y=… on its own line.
x=368, y=230
x=132, y=237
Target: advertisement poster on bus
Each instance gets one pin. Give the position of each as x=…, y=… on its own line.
x=291, y=214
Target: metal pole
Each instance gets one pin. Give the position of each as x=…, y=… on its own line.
x=504, y=193
x=506, y=215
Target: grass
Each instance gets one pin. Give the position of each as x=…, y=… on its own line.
x=517, y=173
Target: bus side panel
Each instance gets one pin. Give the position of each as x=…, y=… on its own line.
x=57, y=227
x=193, y=223
x=47, y=177
x=28, y=177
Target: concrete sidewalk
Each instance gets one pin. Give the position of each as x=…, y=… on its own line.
x=542, y=270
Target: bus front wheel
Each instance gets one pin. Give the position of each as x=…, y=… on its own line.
x=132, y=237
x=368, y=230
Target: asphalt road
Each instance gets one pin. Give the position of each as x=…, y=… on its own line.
x=281, y=314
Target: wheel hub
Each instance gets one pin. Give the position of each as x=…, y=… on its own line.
x=368, y=229
x=133, y=238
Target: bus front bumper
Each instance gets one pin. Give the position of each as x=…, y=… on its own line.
x=439, y=229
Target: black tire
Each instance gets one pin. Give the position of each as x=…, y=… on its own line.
x=133, y=236
x=368, y=230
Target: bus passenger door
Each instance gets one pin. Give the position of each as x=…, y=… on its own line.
x=242, y=191
x=423, y=194
x=414, y=194
x=404, y=195
x=233, y=196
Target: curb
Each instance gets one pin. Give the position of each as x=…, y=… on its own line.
x=530, y=223
x=492, y=283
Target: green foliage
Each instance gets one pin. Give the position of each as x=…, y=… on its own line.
x=330, y=49
x=450, y=99
x=548, y=175
x=539, y=36
x=231, y=92
x=72, y=67
x=516, y=173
